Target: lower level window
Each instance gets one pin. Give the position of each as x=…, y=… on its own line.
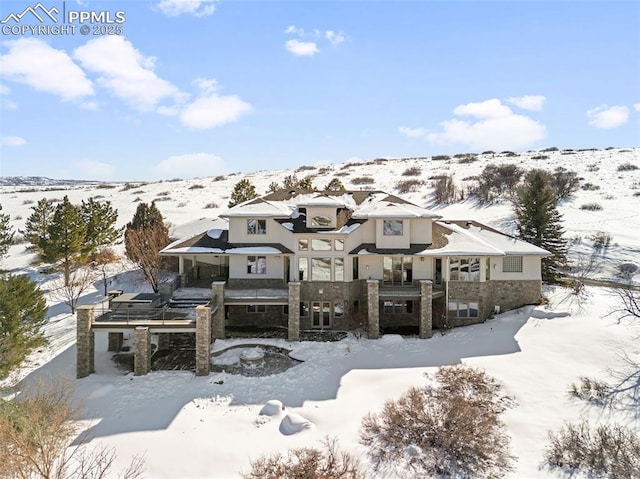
x=463, y=309
x=397, y=307
x=256, y=308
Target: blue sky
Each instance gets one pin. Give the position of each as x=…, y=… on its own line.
x=199, y=88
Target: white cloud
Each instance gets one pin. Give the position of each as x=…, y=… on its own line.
x=5, y=102
x=33, y=62
x=125, y=71
x=189, y=166
x=213, y=110
x=292, y=29
x=206, y=85
x=485, y=109
x=636, y=106
x=197, y=8
x=4, y=90
x=496, y=127
x=608, y=117
x=413, y=132
x=528, y=102
x=13, y=141
x=300, y=48
x=333, y=37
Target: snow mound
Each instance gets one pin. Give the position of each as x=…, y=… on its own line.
x=252, y=354
x=272, y=408
x=391, y=338
x=293, y=424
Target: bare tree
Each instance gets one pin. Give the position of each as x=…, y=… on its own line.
x=36, y=430
x=69, y=290
x=629, y=306
x=145, y=244
x=100, y=262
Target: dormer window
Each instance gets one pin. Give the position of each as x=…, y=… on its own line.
x=256, y=227
x=320, y=221
x=392, y=227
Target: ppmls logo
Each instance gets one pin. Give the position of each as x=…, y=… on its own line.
x=50, y=22
x=39, y=11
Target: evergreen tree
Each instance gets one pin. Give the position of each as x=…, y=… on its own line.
x=100, y=219
x=306, y=184
x=6, y=235
x=242, y=191
x=335, y=185
x=273, y=187
x=36, y=230
x=23, y=311
x=144, y=237
x=67, y=235
x=291, y=182
x=539, y=221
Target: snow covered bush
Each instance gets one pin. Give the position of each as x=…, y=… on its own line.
x=609, y=450
x=591, y=390
x=308, y=463
x=449, y=428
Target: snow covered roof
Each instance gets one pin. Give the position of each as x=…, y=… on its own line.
x=466, y=238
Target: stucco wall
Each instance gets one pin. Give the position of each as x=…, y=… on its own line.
x=391, y=241
x=530, y=269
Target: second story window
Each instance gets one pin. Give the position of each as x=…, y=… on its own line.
x=392, y=227
x=256, y=265
x=256, y=227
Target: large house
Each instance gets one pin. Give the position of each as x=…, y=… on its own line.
x=303, y=261
x=338, y=260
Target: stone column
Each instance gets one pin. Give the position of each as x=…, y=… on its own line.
x=142, y=355
x=85, y=342
x=218, y=320
x=203, y=340
x=373, y=308
x=115, y=342
x=294, y=312
x=164, y=341
x=426, y=308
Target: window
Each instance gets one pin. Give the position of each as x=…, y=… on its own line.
x=256, y=227
x=338, y=269
x=512, y=264
x=464, y=269
x=321, y=269
x=320, y=222
x=355, y=263
x=338, y=245
x=321, y=245
x=303, y=245
x=392, y=227
x=256, y=308
x=304, y=310
x=256, y=265
x=397, y=307
x=338, y=309
x=463, y=309
x=303, y=269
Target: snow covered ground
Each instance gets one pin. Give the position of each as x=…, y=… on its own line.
x=210, y=427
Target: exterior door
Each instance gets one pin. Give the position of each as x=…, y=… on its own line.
x=321, y=314
x=397, y=270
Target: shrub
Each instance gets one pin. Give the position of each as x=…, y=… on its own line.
x=627, y=167
x=564, y=182
x=591, y=390
x=593, y=167
x=164, y=193
x=609, y=450
x=440, y=157
x=408, y=186
x=196, y=187
x=412, y=171
x=27, y=202
x=305, y=168
x=540, y=157
x=105, y=186
x=307, y=463
x=162, y=198
x=601, y=240
x=449, y=428
x=213, y=204
x=363, y=180
x=219, y=178
x=508, y=153
x=551, y=148
x=466, y=159
x=590, y=187
x=591, y=207
x=498, y=180
x=489, y=152
x=626, y=270
x=131, y=186
x=445, y=190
